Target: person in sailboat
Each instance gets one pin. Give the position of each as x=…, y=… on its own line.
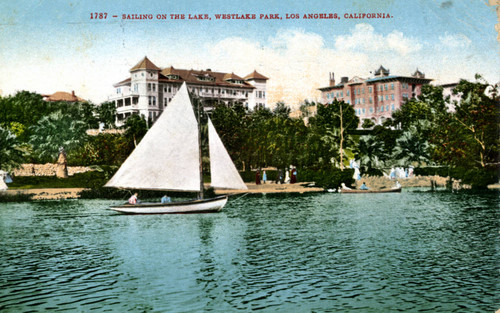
x=166, y=199
x=133, y=199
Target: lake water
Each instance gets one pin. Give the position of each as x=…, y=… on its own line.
x=435, y=252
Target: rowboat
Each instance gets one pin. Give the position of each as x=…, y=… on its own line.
x=370, y=190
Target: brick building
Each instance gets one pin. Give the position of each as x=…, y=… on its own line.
x=375, y=98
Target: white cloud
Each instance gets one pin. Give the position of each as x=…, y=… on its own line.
x=296, y=61
x=363, y=38
x=454, y=41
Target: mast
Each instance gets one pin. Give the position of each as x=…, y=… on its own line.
x=201, y=193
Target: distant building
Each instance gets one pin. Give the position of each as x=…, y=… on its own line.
x=448, y=92
x=150, y=89
x=377, y=97
x=63, y=96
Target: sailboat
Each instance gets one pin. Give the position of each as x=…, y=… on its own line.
x=169, y=158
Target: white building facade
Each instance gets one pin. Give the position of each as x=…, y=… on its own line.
x=150, y=89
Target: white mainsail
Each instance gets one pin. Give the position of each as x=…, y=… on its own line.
x=223, y=172
x=167, y=158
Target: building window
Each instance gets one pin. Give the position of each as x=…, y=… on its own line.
x=393, y=107
x=370, y=89
x=371, y=110
x=385, y=86
x=348, y=92
x=392, y=86
x=149, y=87
x=382, y=109
x=371, y=100
x=386, y=97
x=392, y=96
x=118, y=90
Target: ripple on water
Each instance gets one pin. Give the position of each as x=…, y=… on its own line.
x=303, y=253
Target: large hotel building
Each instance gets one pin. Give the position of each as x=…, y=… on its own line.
x=149, y=89
x=377, y=97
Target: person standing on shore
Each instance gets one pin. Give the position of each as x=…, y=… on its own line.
x=264, y=177
x=287, y=176
x=257, y=177
x=279, y=177
x=293, y=180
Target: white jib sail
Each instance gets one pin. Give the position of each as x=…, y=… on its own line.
x=167, y=158
x=223, y=172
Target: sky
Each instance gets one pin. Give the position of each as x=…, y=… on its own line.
x=54, y=45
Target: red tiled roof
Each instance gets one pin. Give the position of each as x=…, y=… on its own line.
x=195, y=76
x=145, y=64
x=63, y=96
x=255, y=75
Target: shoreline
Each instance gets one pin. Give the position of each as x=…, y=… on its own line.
x=269, y=188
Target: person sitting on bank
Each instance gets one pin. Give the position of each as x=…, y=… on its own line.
x=166, y=199
x=133, y=199
x=364, y=187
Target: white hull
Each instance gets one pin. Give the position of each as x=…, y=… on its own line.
x=193, y=206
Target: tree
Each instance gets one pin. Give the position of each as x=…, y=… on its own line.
x=230, y=123
x=106, y=113
x=367, y=123
x=370, y=152
x=11, y=154
x=333, y=123
x=468, y=139
x=135, y=128
x=55, y=131
x=281, y=110
x=412, y=147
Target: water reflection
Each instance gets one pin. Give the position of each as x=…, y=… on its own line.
x=304, y=253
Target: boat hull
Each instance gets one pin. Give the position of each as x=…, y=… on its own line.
x=370, y=190
x=194, y=206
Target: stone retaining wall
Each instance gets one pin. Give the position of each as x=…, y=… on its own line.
x=48, y=169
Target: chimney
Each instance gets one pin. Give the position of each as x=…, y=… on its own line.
x=73, y=93
x=332, y=79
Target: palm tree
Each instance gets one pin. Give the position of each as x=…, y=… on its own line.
x=411, y=147
x=370, y=153
x=11, y=154
x=55, y=131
